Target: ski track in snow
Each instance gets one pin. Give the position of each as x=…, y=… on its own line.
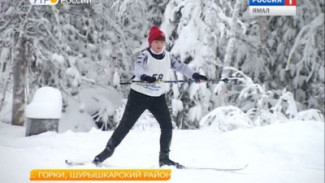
x=291, y=152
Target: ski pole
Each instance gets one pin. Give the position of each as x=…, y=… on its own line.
x=226, y=80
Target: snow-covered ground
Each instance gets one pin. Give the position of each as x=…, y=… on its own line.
x=291, y=152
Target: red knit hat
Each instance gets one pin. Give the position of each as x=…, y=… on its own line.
x=155, y=34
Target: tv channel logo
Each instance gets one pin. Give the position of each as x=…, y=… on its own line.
x=44, y=2
x=54, y=2
x=272, y=7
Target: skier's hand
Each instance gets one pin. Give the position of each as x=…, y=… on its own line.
x=148, y=79
x=199, y=78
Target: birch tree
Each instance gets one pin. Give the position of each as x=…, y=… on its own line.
x=16, y=20
x=19, y=79
x=221, y=89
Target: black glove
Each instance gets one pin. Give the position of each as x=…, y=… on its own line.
x=198, y=77
x=149, y=79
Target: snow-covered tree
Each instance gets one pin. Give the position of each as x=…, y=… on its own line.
x=95, y=45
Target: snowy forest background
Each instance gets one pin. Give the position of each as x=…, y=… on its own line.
x=275, y=63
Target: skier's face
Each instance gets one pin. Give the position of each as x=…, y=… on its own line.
x=158, y=46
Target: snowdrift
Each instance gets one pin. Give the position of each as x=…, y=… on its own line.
x=291, y=152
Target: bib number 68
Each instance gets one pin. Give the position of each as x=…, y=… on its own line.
x=159, y=77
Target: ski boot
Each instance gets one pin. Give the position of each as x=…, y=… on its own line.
x=165, y=161
x=106, y=153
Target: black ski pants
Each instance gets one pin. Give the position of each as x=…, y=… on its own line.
x=137, y=103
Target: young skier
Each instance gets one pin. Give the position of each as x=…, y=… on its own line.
x=151, y=65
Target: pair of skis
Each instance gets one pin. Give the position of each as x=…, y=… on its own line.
x=82, y=163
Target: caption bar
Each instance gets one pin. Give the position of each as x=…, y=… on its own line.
x=100, y=174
